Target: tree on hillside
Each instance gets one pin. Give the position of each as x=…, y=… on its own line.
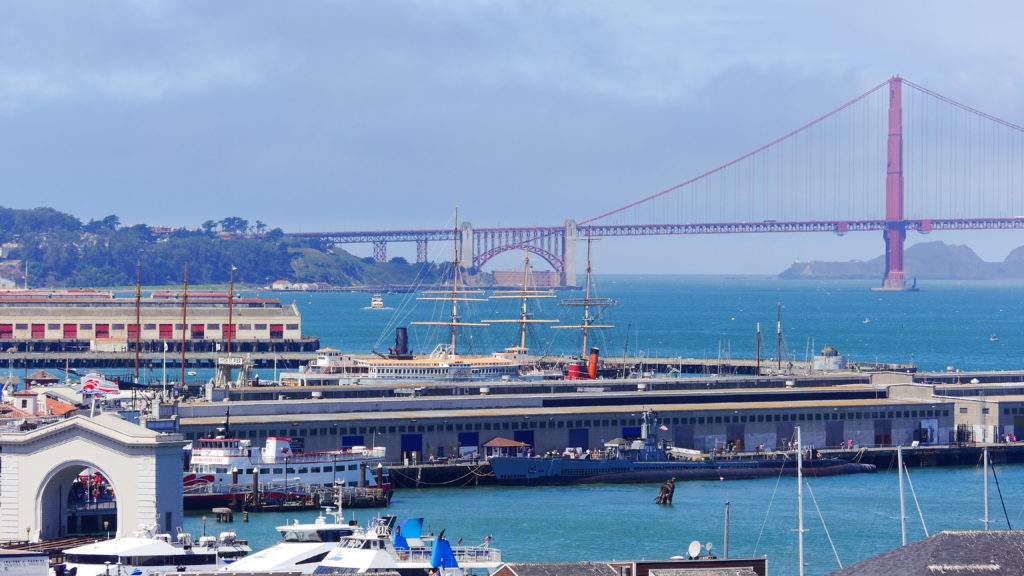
x=234, y=224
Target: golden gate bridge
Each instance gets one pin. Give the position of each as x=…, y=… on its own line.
x=897, y=158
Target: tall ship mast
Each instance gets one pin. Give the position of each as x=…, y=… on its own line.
x=587, y=302
x=454, y=295
x=525, y=317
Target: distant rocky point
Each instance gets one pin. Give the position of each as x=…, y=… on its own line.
x=927, y=260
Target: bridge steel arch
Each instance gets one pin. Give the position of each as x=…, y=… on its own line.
x=143, y=467
x=557, y=263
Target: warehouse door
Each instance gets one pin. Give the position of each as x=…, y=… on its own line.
x=834, y=434
x=524, y=436
x=579, y=438
x=784, y=436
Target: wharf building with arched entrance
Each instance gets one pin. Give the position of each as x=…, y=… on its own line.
x=443, y=421
x=40, y=469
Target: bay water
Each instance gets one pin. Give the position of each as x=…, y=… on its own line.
x=946, y=324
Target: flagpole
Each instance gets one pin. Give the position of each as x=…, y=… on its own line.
x=184, y=324
x=231, y=302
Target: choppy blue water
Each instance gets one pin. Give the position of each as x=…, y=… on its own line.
x=622, y=522
x=945, y=324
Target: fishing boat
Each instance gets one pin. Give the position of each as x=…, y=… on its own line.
x=648, y=460
x=150, y=553
x=225, y=470
x=406, y=550
x=301, y=548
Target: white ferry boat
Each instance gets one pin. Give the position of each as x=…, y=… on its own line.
x=301, y=548
x=376, y=302
x=148, y=553
x=222, y=469
x=332, y=367
x=406, y=551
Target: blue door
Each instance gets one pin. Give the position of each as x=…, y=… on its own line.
x=579, y=438
x=524, y=436
x=467, y=439
x=412, y=443
x=350, y=441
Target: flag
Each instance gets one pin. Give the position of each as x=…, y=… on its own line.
x=233, y=268
x=460, y=540
x=487, y=541
x=663, y=428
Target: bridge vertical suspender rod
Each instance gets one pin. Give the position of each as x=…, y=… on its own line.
x=895, y=226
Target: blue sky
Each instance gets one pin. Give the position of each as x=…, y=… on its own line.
x=372, y=115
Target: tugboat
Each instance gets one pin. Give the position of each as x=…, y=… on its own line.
x=648, y=460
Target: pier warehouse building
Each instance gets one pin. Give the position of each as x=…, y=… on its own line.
x=706, y=414
x=84, y=320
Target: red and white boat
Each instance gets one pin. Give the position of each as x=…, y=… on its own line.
x=223, y=470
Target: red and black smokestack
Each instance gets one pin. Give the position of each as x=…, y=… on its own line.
x=592, y=364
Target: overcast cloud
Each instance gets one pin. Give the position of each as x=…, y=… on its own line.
x=317, y=116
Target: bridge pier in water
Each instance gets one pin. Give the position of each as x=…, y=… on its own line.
x=895, y=233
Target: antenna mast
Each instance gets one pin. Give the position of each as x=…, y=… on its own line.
x=778, y=336
x=138, y=313
x=184, y=323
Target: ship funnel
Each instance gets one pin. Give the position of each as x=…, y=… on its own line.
x=592, y=363
x=401, y=349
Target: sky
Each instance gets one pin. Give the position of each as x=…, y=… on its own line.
x=344, y=115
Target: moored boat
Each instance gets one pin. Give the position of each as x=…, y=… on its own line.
x=406, y=550
x=301, y=548
x=149, y=553
x=224, y=471
x=647, y=460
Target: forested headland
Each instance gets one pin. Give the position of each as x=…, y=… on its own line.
x=59, y=250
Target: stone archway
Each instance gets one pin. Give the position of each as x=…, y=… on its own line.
x=36, y=468
x=56, y=505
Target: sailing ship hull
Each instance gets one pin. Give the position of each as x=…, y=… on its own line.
x=562, y=471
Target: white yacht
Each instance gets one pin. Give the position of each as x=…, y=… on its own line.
x=301, y=548
x=149, y=553
x=406, y=551
x=224, y=468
